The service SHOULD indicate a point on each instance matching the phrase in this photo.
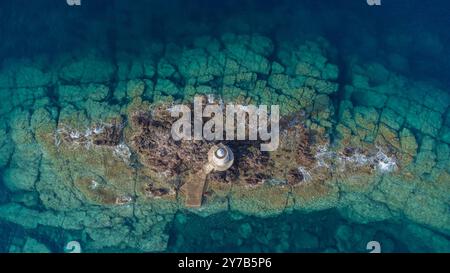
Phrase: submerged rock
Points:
(87, 146)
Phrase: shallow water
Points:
(407, 38)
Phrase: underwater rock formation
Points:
(88, 141)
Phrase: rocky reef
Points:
(85, 142)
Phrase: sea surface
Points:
(410, 38)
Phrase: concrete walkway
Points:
(195, 186)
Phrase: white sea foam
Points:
(93, 185)
(86, 139)
(327, 159)
(98, 130)
(75, 135)
(305, 173)
(385, 163)
(122, 151)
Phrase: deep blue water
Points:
(53, 27)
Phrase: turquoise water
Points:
(73, 65)
(323, 231)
